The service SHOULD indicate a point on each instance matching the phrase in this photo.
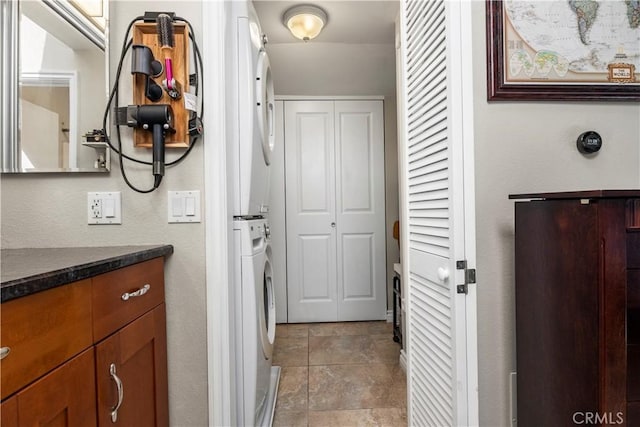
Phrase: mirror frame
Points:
(10, 152)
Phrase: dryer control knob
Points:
(267, 231)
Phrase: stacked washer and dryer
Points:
(251, 141)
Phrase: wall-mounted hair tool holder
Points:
(160, 68)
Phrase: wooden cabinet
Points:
(9, 412)
(123, 295)
(577, 259)
(78, 351)
(63, 397)
(42, 331)
(136, 355)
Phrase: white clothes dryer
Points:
(255, 318)
(251, 111)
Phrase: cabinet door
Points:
(557, 263)
(131, 371)
(9, 413)
(64, 397)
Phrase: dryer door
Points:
(265, 104)
(267, 308)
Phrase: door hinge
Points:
(469, 276)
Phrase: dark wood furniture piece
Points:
(92, 352)
(577, 260)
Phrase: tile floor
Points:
(338, 375)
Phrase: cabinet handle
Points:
(114, 377)
(143, 290)
(4, 352)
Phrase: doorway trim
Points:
(220, 335)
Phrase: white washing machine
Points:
(255, 316)
(250, 130)
(251, 111)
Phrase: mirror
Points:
(55, 85)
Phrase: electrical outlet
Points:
(104, 208)
(95, 208)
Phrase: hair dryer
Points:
(158, 119)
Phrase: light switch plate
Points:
(183, 206)
(104, 207)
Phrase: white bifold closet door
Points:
(334, 161)
(440, 219)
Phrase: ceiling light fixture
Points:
(305, 21)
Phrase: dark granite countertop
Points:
(30, 270)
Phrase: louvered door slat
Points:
(433, 367)
(432, 41)
(426, 19)
(433, 163)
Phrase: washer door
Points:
(267, 308)
(266, 105)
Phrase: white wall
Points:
(49, 210)
(530, 147)
(40, 148)
(323, 69)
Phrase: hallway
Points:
(339, 374)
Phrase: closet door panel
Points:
(360, 210)
(310, 211)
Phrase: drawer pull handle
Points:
(143, 290)
(114, 377)
(4, 352)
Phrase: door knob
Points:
(333, 225)
(443, 274)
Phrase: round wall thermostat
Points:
(589, 142)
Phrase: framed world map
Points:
(563, 50)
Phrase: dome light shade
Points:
(305, 22)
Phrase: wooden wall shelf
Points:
(146, 33)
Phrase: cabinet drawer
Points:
(42, 331)
(123, 295)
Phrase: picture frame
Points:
(622, 84)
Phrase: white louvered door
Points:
(438, 180)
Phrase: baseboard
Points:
(389, 316)
(403, 361)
